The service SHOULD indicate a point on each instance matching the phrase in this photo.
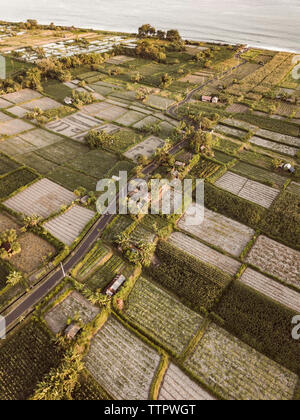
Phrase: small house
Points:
(114, 286)
(214, 99)
(206, 98)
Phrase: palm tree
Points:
(14, 278)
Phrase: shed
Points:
(72, 330)
(114, 286)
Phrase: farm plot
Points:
(34, 252)
(119, 59)
(204, 253)
(74, 125)
(279, 138)
(259, 174)
(145, 148)
(99, 254)
(205, 169)
(146, 122)
(73, 306)
(294, 188)
(111, 112)
(7, 222)
(141, 234)
(4, 272)
(69, 225)
(105, 274)
(13, 127)
(272, 289)
(21, 96)
(40, 138)
(42, 198)
(71, 179)
(278, 260)
(95, 163)
(15, 180)
(7, 165)
(16, 147)
(159, 102)
(178, 386)
(276, 147)
(43, 103)
(236, 371)
(240, 124)
(194, 79)
(4, 117)
(26, 357)
(230, 131)
(163, 316)
(237, 109)
(121, 362)
(220, 231)
(63, 151)
(119, 224)
(4, 104)
(245, 188)
(129, 118)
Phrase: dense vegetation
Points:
(193, 281)
(261, 323)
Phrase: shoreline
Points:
(196, 39)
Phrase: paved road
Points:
(24, 305)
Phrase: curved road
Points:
(25, 304)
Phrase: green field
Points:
(16, 180)
(25, 357)
(7, 165)
(259, 174)
(162, 316)
(252, 318)
(102, 277)
(182, 273)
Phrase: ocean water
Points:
(272, 24)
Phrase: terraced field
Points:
(236, 371)
(121, 362)
(162, 316)
(276, 259)
(178, 386)
(245, 188)
(204, 253)
(272, 289)
(73, 306)
(218, 230)
(68, 226)
(42, 198)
